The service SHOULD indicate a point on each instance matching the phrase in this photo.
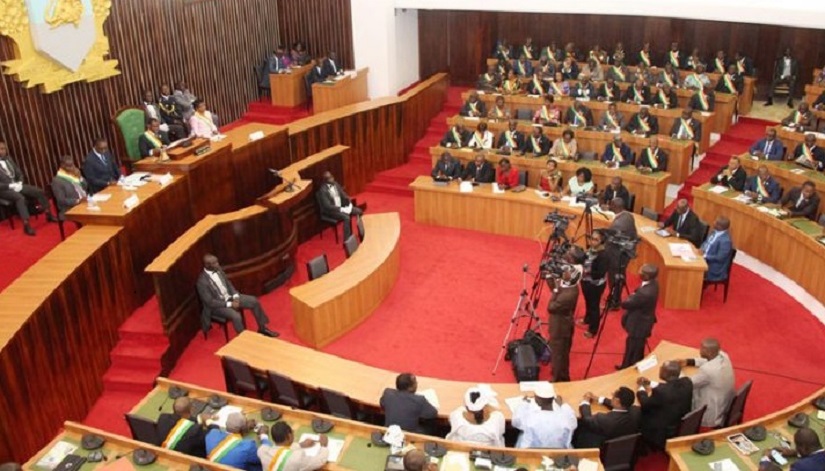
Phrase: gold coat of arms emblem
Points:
(57, 41)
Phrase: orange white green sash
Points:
(177, 433)
(545, 114)
(535, 143)
(807, 153)
(511, 139)
(504, 52)
(609, 92)
(511, 85)
(156, 142)
(488, 77)
(645, 57)
(664, 98)
(556, 89)
(564, 150)
(612, 120)
(537, 86)
(637, 96)
(549, 53)
(479, 139)
(686, 128)
(279, 459)
(617, 154)
(797, 117)
(578, 117)
(653, 157)
(740, 64)
(643, 123)
(674, 58)
(696, 78)
(473, 106)
(456, 136)
(619, 74)
(521, 68)
(720, 66)
(526, 51)
(760, 188)
(498, 112)
(729, 83)
(668, 78)
(703, 101)
(229, 443)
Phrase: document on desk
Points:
(431, 397)
(334, 445)
(680, 249)
(587, 465)
(723, 465)
(742, 198)
(647, 363)
(59, 451)
(718, 189)
(101, 197)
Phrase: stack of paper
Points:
(431, 397)
(334, 446)
(59, 451)
(723, 465)
(678, 249)
(647, 363)
(718, 189)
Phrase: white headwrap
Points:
(486, 396)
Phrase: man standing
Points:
(622, 419)
(562, 308)
(640, 315)
(180, 432)
(336, 204)
(403, 407)
(222, 301)
(717, 249)
(546, 421)
(100, 167)
(230, 447)
(713, 384)
(664, 404)
(786, 70)
(13, 189)
(286, 455)
(684, 224)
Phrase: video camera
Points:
(624, 244)
(560, 221)
(588, 200)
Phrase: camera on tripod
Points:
(588, 200)
(626, 246)
(553, 268)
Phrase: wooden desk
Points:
(650, 189)
(789, 245)
(522, 215)
(356, 454)
(680, 152)
(290, 89)
(58, 321)
(341, 91)
(666, 117)
(788, 174)
(791, 138)
(233, 173)
(682, 458)
(328, 307)
(117, 446)
(724, 107)
(364, 384)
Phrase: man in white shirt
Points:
(221, 301)
(14, 190)
(545, 421)
(286, 455)
(713, 383)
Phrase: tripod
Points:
(587, 219)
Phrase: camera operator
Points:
(594, 282)
(625, 225)
(562, 309)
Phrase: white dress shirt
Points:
(544, 428)
(222, 289)
(335, 196)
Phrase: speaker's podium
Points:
(340, 91)
(289, 89)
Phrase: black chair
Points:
(60, 218)
(7, 212)
(240, 379)
(736, 411)
(339, 405)
(263, 90)
(650, 214)
(619, 454)
(359, 222)
(224, 324)
(326, 222)
(350, 245)
(631, 201)
(522, 177)
(143, 430)
(284, 391)
(523, 114)
(691, 422)
(726, 281)
(704, 229)
(317, 267)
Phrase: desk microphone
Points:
(290, 185)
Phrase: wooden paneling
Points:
(451, 40)
(323, 25)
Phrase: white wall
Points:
(406, 49)
(801, 13)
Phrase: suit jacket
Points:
(776, 152)
(584, 91)
(483, 174)
(738, 84)
(635, 125)
(243, 456)
(696, 103)
(593, 430)
(609, 194)
(672, 99)
(449, 138)
(625, 223)
(807, 209)
(327, 202)
(192, 442)
(518, 137)
(330, 68)
(316, 74)
(713, 386)
(523, 69)
(690, 229)
(817, 153)
(663, 409)
(210, 296)
(603, 92)
(16, 174)
(779, 67)
(814, 462)
(542, 146)
(97, 173)
(772, 187)
(806, 121)
(640, 310)
(618, 118)
(717, 250)
(481, 108)
(747, 65)
(629, 96)
(624, 150)
(644, 160)
(569, 116)
(147, 147)
(735, 182)
(65, 195)
(694, 124)
(451, 169)
(405, 409)
(169, 112)
(562, 308)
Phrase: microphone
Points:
(123, 455)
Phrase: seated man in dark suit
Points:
(331, 66)
(769, 148)
(652, 158)
(615, 190)
(512, 139)
(638, 93)
(578, 115)
(731, 175)
(336, 204)
(222, 301)
(473, 107)
(152, 143)
(684, 224)
(447, 167)
(13, 189)
(537, 144)
(762, 187)
(623, 419)
(403, 407)
(68, 186)
(316, 74)
(617, 153)
(717, 250)
(808, 154)
(664, 405)
(180, 431)
(802, 201)
(808, 450)
(479, 170)
(731, 81)
(801, 120)
(687, 128)
(643, 123)
(171, 115)
(456, 137)
(100, 168)
(703, 100)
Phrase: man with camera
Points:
(640, 315)
(622, 227)
(561, 309)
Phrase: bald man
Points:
(808, 450)
(640, 315)
(717, 250)
(416, 460)
(221, 301)
(180, 432)
(684, 224)
(713, 383)
(663, 405)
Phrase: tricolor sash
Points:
(578, 117)
(653, 157)
(637, 97)
(612, 120)
(619, 73)
(617, 154)
(609, 92)
(527, 53)
(229, 443)
(535, 143)
(156, 142)
(522, 70)
(740, 65)
(487, 77)
(797, 117)
(696, 77)
(729, 83)
(177, 433)
(456, 136)
(537, 86)
(564, 150)
(807, 153)
(473, 107)
(668, 79)
(479, 139)
(673, 56)
(720, 66)
(279, 459)
(504, 53)
(703, 101)
(556, 89)
(498, 112)
(643, 123)
(664, 98)
(645, 57)
(545, 115)
(549, 53)
(760, 188)
(511, 140)
(685, 127)
(76, 182)
(511, 85)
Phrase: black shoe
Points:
(769, 103)
(50, 217)
(28, 230)
(790, 104)
(268, 333)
